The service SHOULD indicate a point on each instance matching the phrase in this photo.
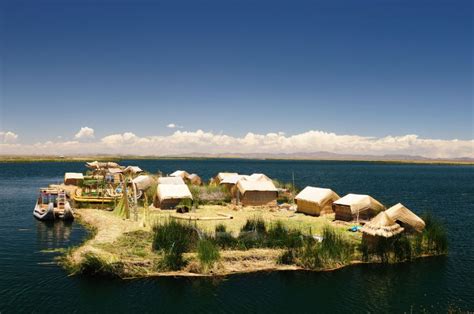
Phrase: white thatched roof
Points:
(180, 173)
(258, 176)
(400, 213)
(143, 182)
(383, 226)
(222, 175)
(245, 185)
(133, 169)
(171, 180)
(358, 202)
(193, 176)
(73, 176)
(316, 195)
(173, 191)
(233, 179)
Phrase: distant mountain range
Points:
(324, 156)
(290, 156)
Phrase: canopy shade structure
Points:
(405, 217)
(315, 201)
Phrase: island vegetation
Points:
(218, 238)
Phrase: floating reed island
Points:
(150, 224)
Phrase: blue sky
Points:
(368, 68)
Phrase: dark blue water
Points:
(31, 282)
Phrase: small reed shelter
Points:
(405, 218)
(229, 182)
(194, 179)
(221, 176)
(143, 182)
(256, 192)
(170, 192)
(180, 173)
(356, 207)
(382, 226)
(73, 178)
(315, 201)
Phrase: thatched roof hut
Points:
(170, 195)
(221, 176)
(356, 206)
(132, 170)
(382, 226)
(194, 179)
(256, 192)
(405, 217)
(315, 201)
(171, 180)
(143, 182)
(180, 173)
(73, 178)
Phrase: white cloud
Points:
(174, 126)
(8, 137)
(184, 142)
(85, 133)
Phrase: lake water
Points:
(31, 282)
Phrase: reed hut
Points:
(256, 192)
(171, 180)
(180, 173)
(168, 196)
(382, 226)
(132, 170)
(229, 182)
(356, 206)
(315, 201)
(143, 182)
(221, 176)
(405, 218)
(73, 178)
(194, 179)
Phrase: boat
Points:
(52, 204)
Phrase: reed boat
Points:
(52, 204)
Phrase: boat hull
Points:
(44, 215)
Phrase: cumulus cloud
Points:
(8, 137)
(185, 142)
(174, 126)
(85, 133)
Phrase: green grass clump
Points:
(208, 254)
(256, 224)
(435, 235)
(173, 239)
(93, 265)
(224, 239)
(279, 236)
(334, 250)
